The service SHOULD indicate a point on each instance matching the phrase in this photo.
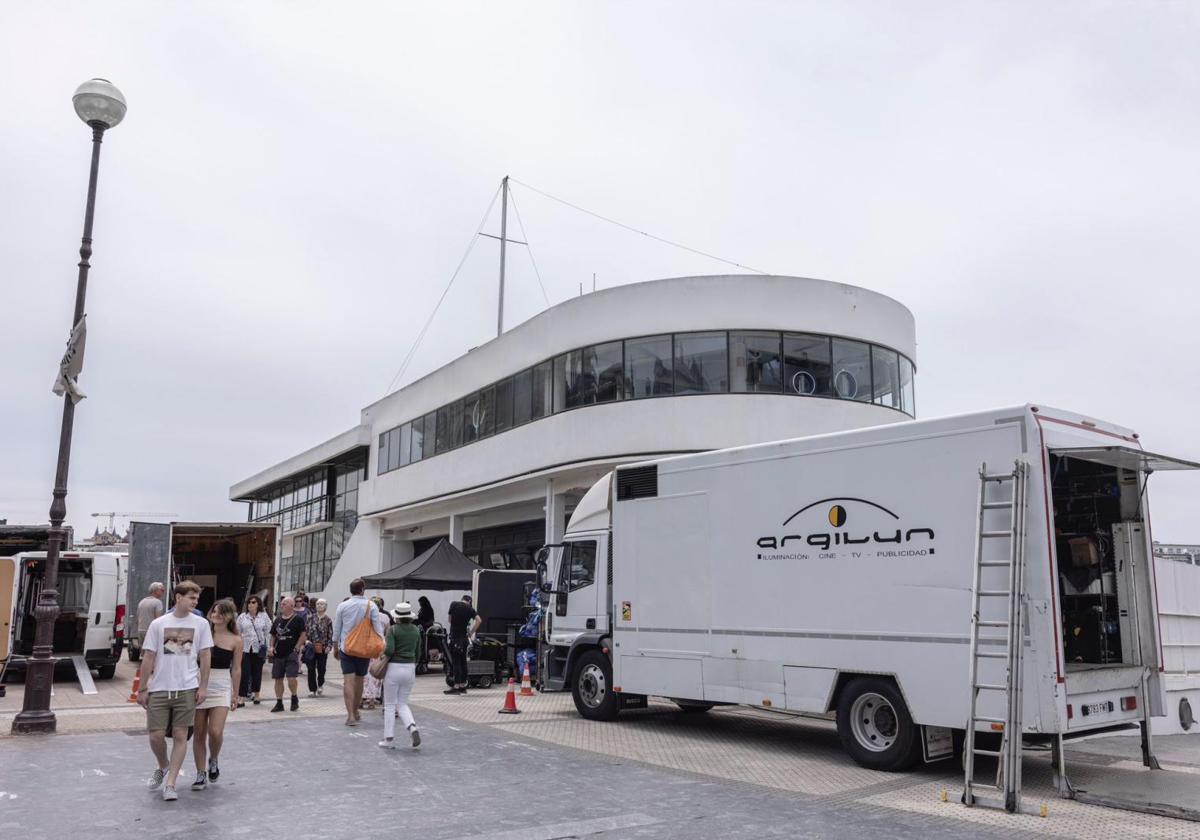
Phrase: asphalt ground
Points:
(467, 780)
(545, 773)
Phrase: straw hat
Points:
(403, 610)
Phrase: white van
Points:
(88, 608)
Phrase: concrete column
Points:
(456, 531)
(556, 510)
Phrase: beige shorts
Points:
(176, 707)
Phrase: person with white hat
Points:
(403, 640)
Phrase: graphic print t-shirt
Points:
(177, 642)
(286, 632)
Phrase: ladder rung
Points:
(995, 563)
(991, 687)
(997, 476)
(992, 623)
(994, 592)
(993, 753)
(997, 505)
(995, 534)
(988, 655)
(986, 719)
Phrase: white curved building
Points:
(495, 448)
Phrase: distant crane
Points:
(113, 514)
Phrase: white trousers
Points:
(397, 685)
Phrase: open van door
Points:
(8, 597)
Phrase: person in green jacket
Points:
(403, 640)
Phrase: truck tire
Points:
(875, 726)
(107, 671)
(591, 687)
(693, 707)
(135, 655)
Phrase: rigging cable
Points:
(529, 247)
(636, 230)
(417, 343)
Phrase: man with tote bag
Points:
(357, 639)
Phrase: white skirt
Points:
(220, 693)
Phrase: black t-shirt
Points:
(287, 632)
(461, 614)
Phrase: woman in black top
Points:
(224, 672)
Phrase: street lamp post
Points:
(100, 105)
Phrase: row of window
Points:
(303, 502)
(659, 366)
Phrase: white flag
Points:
(72, 364)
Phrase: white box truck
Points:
(835, 574)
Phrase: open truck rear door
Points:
(1136, 587)
(149, 559)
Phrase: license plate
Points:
(1098, 708)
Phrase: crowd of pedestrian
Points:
(197, 669)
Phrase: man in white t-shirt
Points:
(175, 661)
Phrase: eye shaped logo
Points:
(837, 516)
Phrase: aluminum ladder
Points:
(987, 650)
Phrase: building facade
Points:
(494, 449)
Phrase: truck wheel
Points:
(591, 687)
(875, 726)
(135, 655)
(106, 672)
(693, 707)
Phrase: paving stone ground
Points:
(653, 773)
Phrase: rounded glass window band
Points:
(649, 367)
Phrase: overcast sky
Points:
(295, 183)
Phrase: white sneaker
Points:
(387, 744)
(155, 781)
(169, 794)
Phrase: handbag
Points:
(378, 667)
(363, 642)
(309, 655)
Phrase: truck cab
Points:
(576, 575)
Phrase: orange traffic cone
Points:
(526, 687)
(510, 699)
(135, 688)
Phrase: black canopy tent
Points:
(441, 568)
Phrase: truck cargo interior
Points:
(74, 596)
(1088, 500)
(226, 560)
